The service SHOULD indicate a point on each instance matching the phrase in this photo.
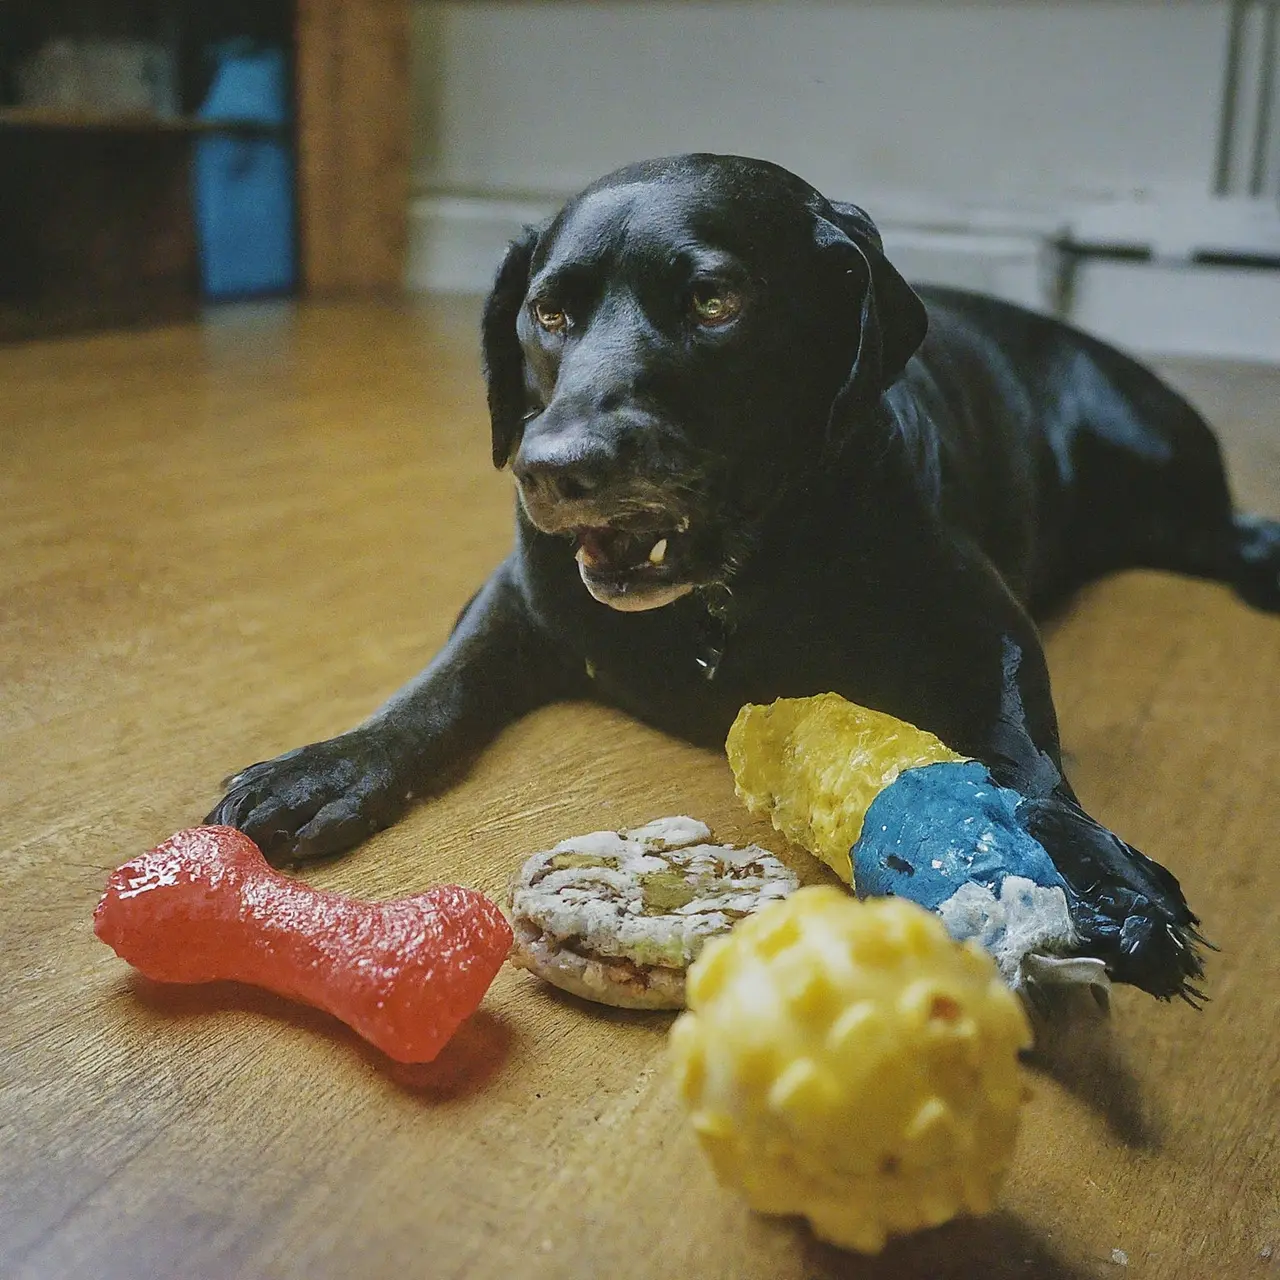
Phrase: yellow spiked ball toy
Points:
(849, 1062)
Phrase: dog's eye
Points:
(550, 318)
(714, 306)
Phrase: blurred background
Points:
(1116, 163)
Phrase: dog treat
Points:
(617, 916)
(849, 1062)
(813, 765)
(204, 906)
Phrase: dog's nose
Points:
(553, 471)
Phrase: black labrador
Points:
(754, 463)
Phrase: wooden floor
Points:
(221, 542)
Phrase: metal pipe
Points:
(1266, 96)
(1230, 92)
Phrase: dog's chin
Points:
(630, 594)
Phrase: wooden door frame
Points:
(352, 73)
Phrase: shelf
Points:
(59, 119)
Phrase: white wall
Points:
(968, 100)
(1001, 124)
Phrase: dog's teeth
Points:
(659, 552)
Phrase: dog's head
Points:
(678, 348)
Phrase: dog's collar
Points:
(716, 628)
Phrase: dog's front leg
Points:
(326, 797)
(1128, 911)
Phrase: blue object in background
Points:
(244, 202)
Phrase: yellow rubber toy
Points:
(814, 765)
(849, 1062)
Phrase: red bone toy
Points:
(205, 906)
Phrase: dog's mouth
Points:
(636, 568)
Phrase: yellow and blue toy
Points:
(893, 811)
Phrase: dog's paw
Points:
(320, 799)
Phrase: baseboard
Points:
(1179, 309)
(456, 242)
(1181, 227)
(1018, 267)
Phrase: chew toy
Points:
(618, 916)
(204, 906)
(814, 765)
(849, 1062)
(1052, 894)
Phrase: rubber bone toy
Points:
(204, 907)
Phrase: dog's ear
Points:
(892, 322)
(503, 359)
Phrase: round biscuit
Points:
(618, 916)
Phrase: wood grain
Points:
(221, 542)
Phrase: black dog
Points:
(746, 472)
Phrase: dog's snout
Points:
(572, 487)
(552, 471)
